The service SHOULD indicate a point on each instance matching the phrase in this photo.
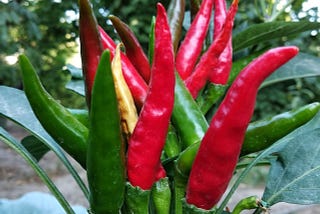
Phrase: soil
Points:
(17, 178)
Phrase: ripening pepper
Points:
(134, 51)
(135, 82)
(91, 46)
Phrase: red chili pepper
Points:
(221, 71)
(191, 46)
(136, 84)
(134, 50)
(149, 135)
(220, 148)
(91, 47)
(210, 59)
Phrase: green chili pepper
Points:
(172, 147)
(161, 196)
(185, 160)
(263, 133)
(106, 155)
(251, 202)
(69, 133)
(137, 200)
(186, 116)
(180, 183)
(211, 94)
(82, 115)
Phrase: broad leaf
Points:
(76, 86)
(14, 144)
(75, 72)
(294, 176)
(258, 33)
(15, 107)
(35, 147)
(301, 66)
(307, 129)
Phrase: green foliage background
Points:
(47, 32)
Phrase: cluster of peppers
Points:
(147, 113)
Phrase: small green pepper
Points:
(210, 95)
(186, 116)
(172, 147)
(249, 203)
(63, 127)
(137, 200)
(161, 196)
(263, 133)
(105, 155)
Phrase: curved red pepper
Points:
(196, 81)
(191, 46)
(149, 135)
(220, 148)
(136, 84)
(221, 71)
(134, 51)
(91, 47)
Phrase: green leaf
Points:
(76, 86)
(15, 107)
(255, 34)
(35, 147)
(310, 127)
(14, 144)
(75, 72)
(301, 66)
(294, 176)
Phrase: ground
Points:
(17, 178)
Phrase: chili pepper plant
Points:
(170, 130)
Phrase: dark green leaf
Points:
(294, 176)
(303, 65)
(258, 33)
(35, 147)
(312, 126)
(15, 107)
(75, 72)
(76, 86)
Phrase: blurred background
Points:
(47, 31)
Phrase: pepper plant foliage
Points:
(170, 141)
